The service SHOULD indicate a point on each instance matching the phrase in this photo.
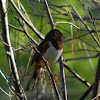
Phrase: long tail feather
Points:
(32, 81)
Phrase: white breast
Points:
(52, 54)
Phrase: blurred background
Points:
(79, 22)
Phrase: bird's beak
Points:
(63, 37)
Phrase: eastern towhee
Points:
(51, 49)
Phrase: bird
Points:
(51, 49)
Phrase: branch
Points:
(86, 93)
(79, 37)
(50, 73)
(88, 28)
(16, 28)
(9, 85)
(91, 18)
(79, 58)
(52, 27)
(26, 21)
(77, 76)
(5, 92)
(90, 61)
(67, 23)
(96, 86)
(26, 33)
(6, 38)
(49, 14)
(62, 74)
(27, 66)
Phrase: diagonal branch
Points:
(50, 73)
(86, 93)
(77, 76)
(26, 21)
(49, 14)
(88, 28)
(10, 55)
(26, 33)
(96, 86)
(53, 81)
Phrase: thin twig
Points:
(26, 33)
(77, 76)
(79, 38)
(26, 21)
(79, 58)
(19, 29)
(52, 27)
(9, 85)
(90, 61)
(5, 92)
(50, 73)
(88, 28)
(91, 18)
(86, 93)
(62, 75)
(80, 50)
(96, 86)
(67, 23)
(27, 66)
(10, 55)
(49, 14)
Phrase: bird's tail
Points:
(32, 81)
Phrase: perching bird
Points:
(51, 49)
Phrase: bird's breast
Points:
(52, 54)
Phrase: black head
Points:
(54, 34)
(55, 37)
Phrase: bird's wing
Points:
(41, 48)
